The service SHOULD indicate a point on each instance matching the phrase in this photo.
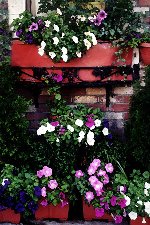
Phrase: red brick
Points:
(43, 108)
(120, 99)
(144, 3)
(119, 107)
(73, 91)
(44, 99)
(126, 116)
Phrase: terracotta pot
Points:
(138, 221)
(145, 53)
(9, 216)
(52, 212)
(26, 55)
(89, 214)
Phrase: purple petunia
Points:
(20, 207)
(118, 219)
(37, 191)
(18, 32)
(99, 212)
(113, 200)
(32, 206)
(58, 78)
(33, 26)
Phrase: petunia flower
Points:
(79, 174)
(52, 184)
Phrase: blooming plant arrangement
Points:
(58, 38)
(139, 194)
(99, 188)
(23, 191)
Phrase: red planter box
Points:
(26, 55)
(138, 221)
(145, 53)
(89, 214)
(52, 212)
(9, 216)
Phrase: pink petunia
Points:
(43, 191)
(55, 123)
(79, 174)
(40, 173)
(52, 184)
(58, 78)
(90, 122)
(106, 179)
(92, 180)
(113, 200)
(47, 172)
(122, 203)
(89, 196)
(101, 173)
(118, 219)
(98, 186)
(91, 170)
(109, 168)
(96, 163)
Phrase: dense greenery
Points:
(138, 128)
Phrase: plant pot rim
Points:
(145, 44)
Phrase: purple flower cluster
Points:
(99, 18)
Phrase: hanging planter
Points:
(9, 215)
(140, 221)
(100, 55)
(89, 214)
(52, 212)
(145, 53)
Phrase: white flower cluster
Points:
(134, 215)
(84, 133)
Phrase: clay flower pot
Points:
(89, 214)
(52, 212)
(145, 53)
(139, 220)
(102, 54)
(9, 216)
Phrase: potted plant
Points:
(101, 192)
(138, 192)
(73, 43)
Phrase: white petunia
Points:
(59, 12)
(79, 54)
(82, 18)
(90, 135)
(90, 142)
(64, 50)
(143, 220)
(62, 35)
(79, 139)
(57, 140)
(94, 40)
(52, 55)
(97, 122)
(147, 207)
(81, 134)
(56, 27)
(146, 192)
(3, 182)
(147, 185)
(91, 128)
(128, 200)
(42, 130)
(139, 202)
(56, 40)
(87, 44)
(41, 51)
(47, 23)
(50, 128)
(133, 215)
(64, 57)
(79, 122)
(43, 44)
(70, 128)
(105, 131)
(75, 39)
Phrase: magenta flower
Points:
(52, 184)
(99, 212)
(47, 172)
(79, 174)
(89, 196)
(34, 26)
(55, 123)
(102, 14)
(58, 78)
(91, 170)
(62, 130)
(44, 202)
(101, 173)
(90, 123)
(43, 191)
(122, 203)
(118, 219)
(40, 173)
(64, 202)
(109, 168)
(113, 200)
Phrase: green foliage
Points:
(13, 123)
(138, 132)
